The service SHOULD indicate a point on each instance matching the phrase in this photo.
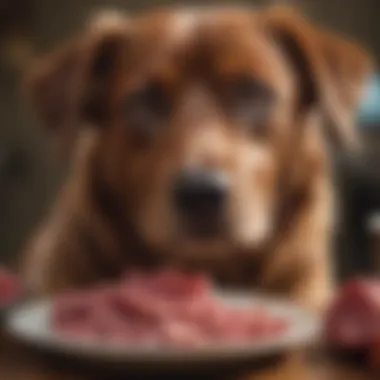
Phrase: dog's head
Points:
(196, 113)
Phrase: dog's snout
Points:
(200, 192)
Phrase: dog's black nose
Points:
(200, 193)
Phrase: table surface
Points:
(21, 363)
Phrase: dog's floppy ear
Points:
(331, 70)
(69, 86)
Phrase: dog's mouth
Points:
(207, 228)
(201, 248)
(202, 239)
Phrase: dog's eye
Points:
(245, 88)
(248, 89)
(147, 107)
(250, 101)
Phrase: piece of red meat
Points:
(180, 333)
(73, 311)
(242, 324)
(354, 316)
(10, 288)
(170, 283)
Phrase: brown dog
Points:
(203, 143)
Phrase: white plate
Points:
(30, 323)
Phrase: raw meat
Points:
(353, 319)
(10, 288)
(166, 308)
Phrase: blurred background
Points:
(30, 173)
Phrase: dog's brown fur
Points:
(113, 211)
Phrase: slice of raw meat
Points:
(10, 288)
(170, 283)
(354, 316)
